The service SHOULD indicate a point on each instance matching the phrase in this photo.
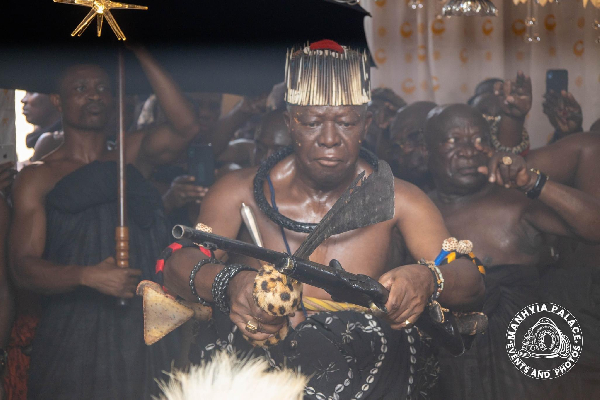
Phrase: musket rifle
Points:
(375, 194)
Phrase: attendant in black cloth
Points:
(484, 199)
(347, 354)
(62, 241)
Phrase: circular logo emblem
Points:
(544, 341)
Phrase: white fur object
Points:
(227, 377)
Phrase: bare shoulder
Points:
(37, 179)
(236, 181)
(588, 142)
(233, 187)
(410, 199)
(221, 206)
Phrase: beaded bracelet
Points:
(438, 278)
(518, 149)
(221, 282)
(197, 267)
(453, 249)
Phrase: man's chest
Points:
(497, 229)
(366, 250)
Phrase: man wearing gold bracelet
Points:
(347, 354)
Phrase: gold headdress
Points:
(327, 74)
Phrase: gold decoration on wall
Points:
(578, 48)
(438, 26)
(487, 27)
(422, 53)
(550, 22)
(380, 56)
(519, 27)
(101, 10)
(408, 86)
(406, 30)
(435, 83)
(595, 3)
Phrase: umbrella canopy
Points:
(231, 46)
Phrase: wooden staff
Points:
(122, 232)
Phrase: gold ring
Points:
(252, 326)
(408, 323)
(506, 160)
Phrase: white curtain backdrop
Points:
(422, 57)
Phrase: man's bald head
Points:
(443, 118)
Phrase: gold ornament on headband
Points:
(327, 74)
(100, 9)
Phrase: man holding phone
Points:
(563, 111)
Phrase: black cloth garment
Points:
(32, 138)
(485, 371)
(347, 354)
(87, 347)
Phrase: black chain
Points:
(221, 282)
(197, 267)
(262, 203)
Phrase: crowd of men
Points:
(461, 170)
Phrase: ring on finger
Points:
(506, 160)
(408, 324)
(252, 326)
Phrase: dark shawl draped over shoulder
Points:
(87, 347)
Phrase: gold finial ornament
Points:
(100, 9)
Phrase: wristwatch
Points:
(535, 191)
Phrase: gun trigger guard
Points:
(335, 264)
(210, 246)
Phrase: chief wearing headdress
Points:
(346, 353)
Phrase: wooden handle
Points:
(122, 241)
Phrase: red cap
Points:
(327, 44)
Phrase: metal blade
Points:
(361, 205)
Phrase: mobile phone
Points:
(201, 164)
(557, 80)
(8, 153)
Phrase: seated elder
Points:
(507, 212)
(346, 354)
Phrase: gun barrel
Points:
(214, 242)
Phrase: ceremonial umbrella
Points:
(230, 46)
(212, 46)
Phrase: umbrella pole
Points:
(122, 232)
